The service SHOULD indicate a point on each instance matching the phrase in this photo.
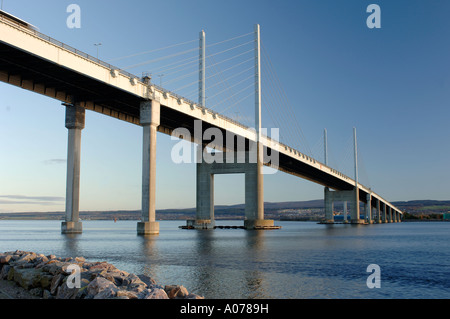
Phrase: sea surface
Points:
(300, 260)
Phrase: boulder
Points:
(82, 292)
(46, 280)
(132, 279)
(153, 293)
(176, 291)
(56, 281)
(64, 292)
(119, 277)
(102, 266)
(107, 293)
(28, 278)
(99, 284)
(55, 267)
(147, 280)
(4, 258)
(10, 274)
(4, 272)
(26, 258)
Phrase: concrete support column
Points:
(390, 214)
(369, 209)
(149, 119)
(378, 212)
(329, 206)
(204, 218)
(355, 216)
(75, 119)
(385, 213)
(345, 212)
(254, 193)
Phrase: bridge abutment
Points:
(75, 121)
(149, 120)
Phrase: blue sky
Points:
(392, 84)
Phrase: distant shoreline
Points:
(312, 210)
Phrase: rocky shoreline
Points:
(50, 277)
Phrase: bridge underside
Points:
(34, 73)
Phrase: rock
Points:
(134, 283)
(132, 279)
(80, 259)
(107, 275)
(127, 293)
(147, 280)
(4, 272)
(55, 267)
(10, 274)
(154, 293)
(27, 278)
(99, 284)
(26, 258)
(119, 277)
(56, 281)
(64, 292)
(82, 292)
(46, 281)
(107, 293)
(175, 291)
(4, 259)
(102, 266)
(45, 277)
(41, 259)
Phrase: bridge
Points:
(38, 63)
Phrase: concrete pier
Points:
(75, 119)
(150, 120)
(341, 196)
(204, 218)
(254, 197)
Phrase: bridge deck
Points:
(36, 62)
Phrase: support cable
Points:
(151, 51)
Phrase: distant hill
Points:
(307, 210)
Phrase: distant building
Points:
(446, 216)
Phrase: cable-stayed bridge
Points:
(38, 63)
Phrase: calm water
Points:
(301, 260)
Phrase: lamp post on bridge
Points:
(97, 45)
